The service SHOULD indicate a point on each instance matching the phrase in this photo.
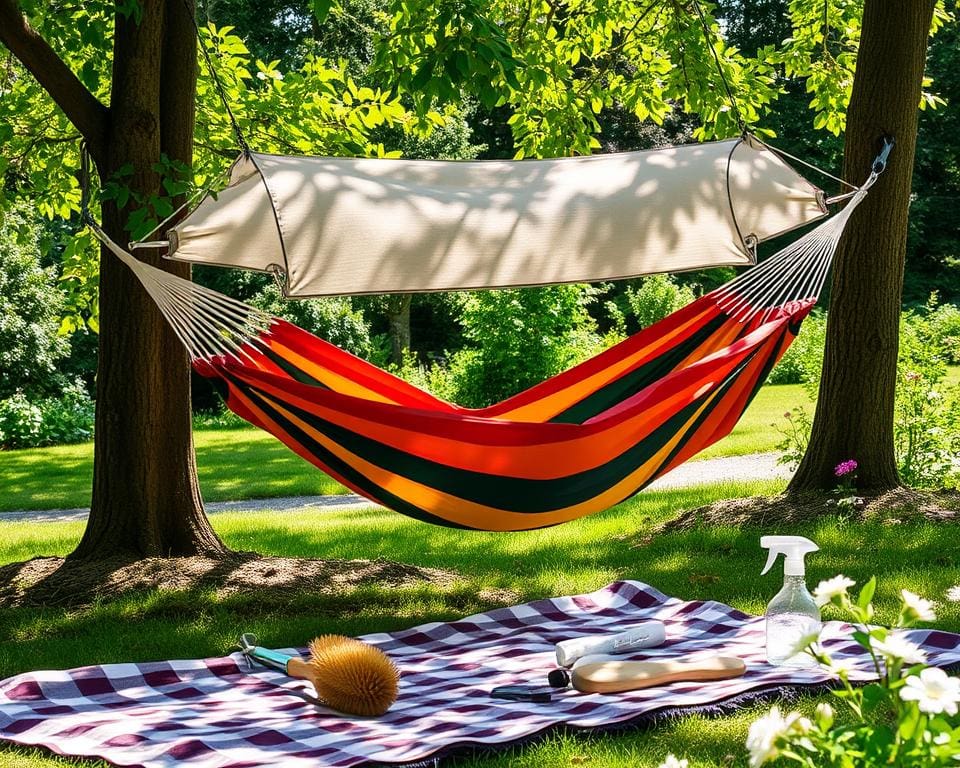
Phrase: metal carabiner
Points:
(880, 164)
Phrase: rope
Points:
(716, 58)
(808, 164)
(797, 272)
(221, 92)
(209, 324)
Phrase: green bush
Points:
(926, 427)
(656, 297)
(802, 362)
(646, 301)
(945, 327)
(333, 319)
(67, 418)
(517, 339)
(20, 422)
(30, 309)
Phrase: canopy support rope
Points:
(707, 37)
(800, 269)
(214, 75)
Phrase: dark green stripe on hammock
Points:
(511, 494)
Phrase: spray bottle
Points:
(792, 614)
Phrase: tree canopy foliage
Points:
(381, 77)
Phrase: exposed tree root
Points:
(899, 505)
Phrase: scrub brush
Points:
(348, 675)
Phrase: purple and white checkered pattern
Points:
(220, 712)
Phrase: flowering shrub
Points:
(908, 718)
(926, 425)
(847, 499)
(926, 429)
(796, 436)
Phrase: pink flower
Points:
(845, 467)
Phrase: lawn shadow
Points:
(54, 582)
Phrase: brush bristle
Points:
(352, 676)
(322, 644)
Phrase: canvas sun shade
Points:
(336, 226)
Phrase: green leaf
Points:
(866, 593)
(909, 720)
(321, 9)
(422, 77)
(874, 695)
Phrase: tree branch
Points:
(81, 107)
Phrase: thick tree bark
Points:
(146, 499)
(854, 416)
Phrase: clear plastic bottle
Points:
(793, 613)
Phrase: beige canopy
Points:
(359, 225)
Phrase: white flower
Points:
(953, 594)
(805, 641)
(764, 733)
(673, 762)
(933, 690)
(897, 648)
(824, 715)
(842, 667)
(831, 588)
(920, 608)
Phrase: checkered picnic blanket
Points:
(221, 712)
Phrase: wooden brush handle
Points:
(617, 676)
(300, 668)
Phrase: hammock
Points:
(575, 444)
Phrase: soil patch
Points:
(897, 506)
(54, 581)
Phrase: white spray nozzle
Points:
(793, 548)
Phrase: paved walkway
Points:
(756, 466)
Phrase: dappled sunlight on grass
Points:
(24, 540)
(755, 432)
(707, 564)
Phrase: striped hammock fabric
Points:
(575, 444)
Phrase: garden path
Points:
(756, 466)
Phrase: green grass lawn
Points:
(719, 563)
(240, 463)
(247, 463)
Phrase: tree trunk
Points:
(854, 416)
(398, 315)
(146, 499)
